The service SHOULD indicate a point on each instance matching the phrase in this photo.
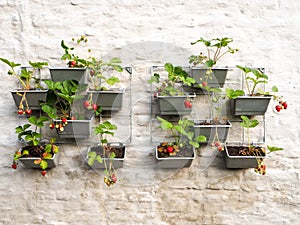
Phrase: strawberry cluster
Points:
(281, 105)
(188, 104)
(61, 124)
(261, 168)
(218, 145)
(23, 112)
(110, 180)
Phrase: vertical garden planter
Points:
(75, 129)
(33, 97)
(175, 162)
(117, 162)
(209, 130)
(111, 100)
(250, 105)
(240, 162)
(62, 74)
(218, 76)
(28, 162)
(174, 105)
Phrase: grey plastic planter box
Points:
(34, 97)
(111, 100)
(174, 162)
(218, 77)
(174, 105)
(62, 74)
(76, 129)
(251, 105)
(29, 162)
(240, 162)
(116, 162)
(209, 131)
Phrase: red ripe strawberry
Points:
(187, 104)
(220, 148)
(204, 83)
(21, 112)
(73, 118)
(92, 72)
(94, 106)
(170, 149)
(86, 104)
(64, 120)
(278, 108)
(28, 111)
(284, 104)
(114, 178)
(72, 63)
(44, 172)
(217, 144)
(51, 125)
(14, 166)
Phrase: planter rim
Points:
(175, 157)
(79, 121)
(31, 90)
(240, 157)
(260, 96)
(67, 68)
(188, 94)
(204, 68)
(196, 124)
(112, 91)
(98, 145)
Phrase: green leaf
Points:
(194, 144)
(38, 65)
(43, 164)
(201, 138)
(115, 60)
(274, 89)
(99, 159)
(164, 124)
(112, 80)
(245, 69)
(274, 148)
(9, 63)
(248, 123)
(233, 94)
(168, 67)
(154, 78)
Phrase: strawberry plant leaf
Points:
(43, 164)
(274, 148)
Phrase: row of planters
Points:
(68, 102)
(65, 94)
(175, 94)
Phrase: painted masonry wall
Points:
(146, 33)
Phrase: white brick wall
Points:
(145, 33)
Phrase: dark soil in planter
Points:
(244, 151)
(34, 151)
(119, 151)
(211, 122)
(185, 151)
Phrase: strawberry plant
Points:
(28, 77)
(60, 98)
(33, 146)
(103, 130)
(182, 135)
(216, 49)
(173, 85)
(253, 78)
(256, 151)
